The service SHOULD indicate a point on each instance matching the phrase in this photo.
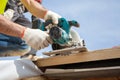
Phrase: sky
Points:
(99, 20)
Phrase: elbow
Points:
(2, 19)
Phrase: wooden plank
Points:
(111, 53)
(83, 73)
(35, 78)
(103, 78)
(93, 78)
(79, 74)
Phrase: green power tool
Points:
(59, 33)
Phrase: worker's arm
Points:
(36, 38)
(35, 8)
(10, 28)
(39, 11)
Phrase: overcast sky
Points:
(99, 20)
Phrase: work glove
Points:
(52, 15)
(36, 38)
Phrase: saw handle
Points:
(47, 22)
(74, 23)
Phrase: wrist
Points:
(45, 14)
(23, 32)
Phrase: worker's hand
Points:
(36, 38)
(52, 15)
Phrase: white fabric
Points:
(52, 15)
(9, 14)
(17, 69)
(36, 38)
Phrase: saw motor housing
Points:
(60, 33)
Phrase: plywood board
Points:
(104, 54)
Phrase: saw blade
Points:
(66, 51)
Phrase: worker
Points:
(15, 34)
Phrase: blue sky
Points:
(99, 20)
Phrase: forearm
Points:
(9, 28)
(35, 8)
